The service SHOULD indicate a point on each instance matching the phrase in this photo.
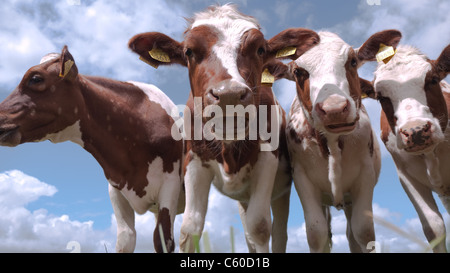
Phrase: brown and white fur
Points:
(414, 128)
(126, 126)
(225, 52)
(335, 156)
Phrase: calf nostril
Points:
(427, 127)
(245, 95)
(346, 107)
(320, 110)
(211, 92)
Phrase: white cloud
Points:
(22, 230)
(18, 189)
(423, 24)
(97, 34)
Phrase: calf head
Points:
(224, 52)
(328, 84)
(43, 103)
(409, 90)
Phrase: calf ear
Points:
(443, 63)
(292, 43)
(157, 49)
(367, 89)
(371, 47)
(68, 70)
(279, 70)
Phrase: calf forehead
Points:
(402, 79)
(328, 57)
(228, 35)
(407, 70)
(326, 65)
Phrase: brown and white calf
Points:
(126, 126)
(225, 52)
(415, 103)
(334, 152)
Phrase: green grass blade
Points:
(206, 243)
(232, 239)
(196, 241)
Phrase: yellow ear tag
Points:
(385, 53)
(147, 62)
(67, 66)
(364, 96)
(287, 51)
(267, 78)
(159, 55)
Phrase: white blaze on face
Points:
(325, 64)
(231, 26)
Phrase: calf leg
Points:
(361, 222)
(317, 229)
(258, 224)
(258, 218)
(280, 211)
(353, 244)
(168, 202)
(243, 214)
(425, 205)
(197, 181)
(126, 234)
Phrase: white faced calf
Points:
(225, 52)
(126, 126)
(415, 102)
(334, 152)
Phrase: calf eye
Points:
(261, 51)
(188, 52)
(35, 80)
(354, 62)
(435, 80)
(301, 73)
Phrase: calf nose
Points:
(333, 108)
(229, 93)
(416, 135)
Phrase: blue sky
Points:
(63, 193)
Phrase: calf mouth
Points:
(341, 127)
(7, 136)
(420, 149)
(239, 131)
